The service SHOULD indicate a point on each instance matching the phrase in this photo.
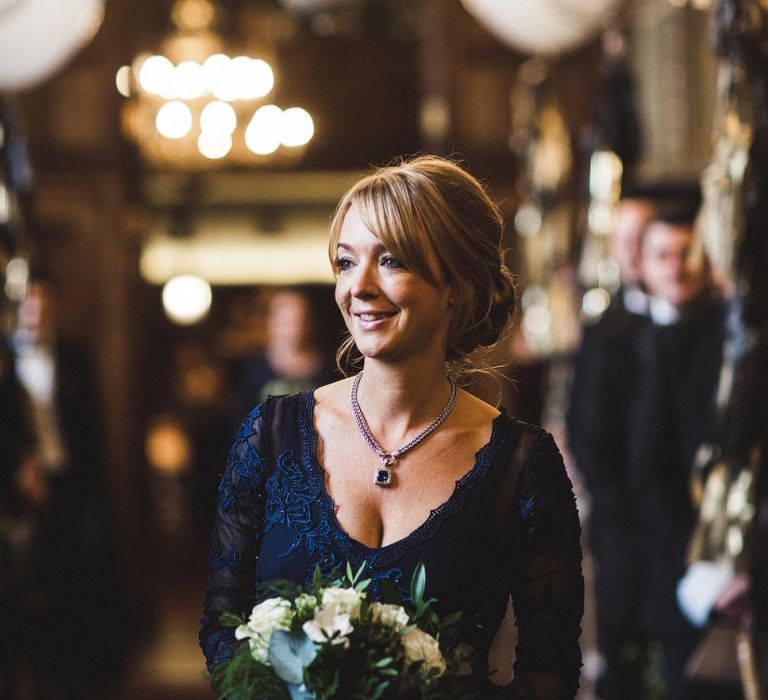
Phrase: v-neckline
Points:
(436, 515)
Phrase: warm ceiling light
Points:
(208, 99)
(188, 83)
(219, 117)
(214, 145)
(263, 134)
(187, 299)
(156, 75)
(174, 120)
(297, 127)
(253, 77)
(123, 81)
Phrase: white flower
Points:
(268, 616)
(420, 646)
(328, 624)
(387, 614)
(305, 604)
(343, 600)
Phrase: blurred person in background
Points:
(75, 576)
(650, 388)
(23, 494)
(597, 439)
(292, 359)
(679, 356)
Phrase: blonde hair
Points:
(428, 204)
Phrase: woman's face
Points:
(391, 312)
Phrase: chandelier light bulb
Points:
(156, 75)
(253, 77)
(215, 72)
(213, 144)
(123, 81)
(187, 299)
(174, 120)
(297, 127)
(263, 133)
(188, 83)
(221, 77)
(219, 117)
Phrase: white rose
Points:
(420, 646)
(268, 616)
(343, 600)
(387, 614)
(328, 624)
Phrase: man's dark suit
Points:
(640, 406)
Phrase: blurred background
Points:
(167, 173)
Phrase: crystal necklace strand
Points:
(383, 475)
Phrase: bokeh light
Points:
(174, 120)
(187, 299)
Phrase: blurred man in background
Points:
(644, 408)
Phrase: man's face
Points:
(631, 218)
(669, 269)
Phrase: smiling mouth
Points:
(375, 316)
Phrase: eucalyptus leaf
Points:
(290, 653)
(418, 583)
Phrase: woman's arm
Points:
(236, 538)
(548, 588)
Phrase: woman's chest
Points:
(458, 540)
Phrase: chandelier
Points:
(194, 104)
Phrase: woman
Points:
(396, 465)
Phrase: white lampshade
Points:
(542, 26)
(37, 37)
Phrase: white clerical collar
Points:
(662, 312)
(636, 301)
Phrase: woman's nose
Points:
(365, 281)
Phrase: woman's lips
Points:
(370, 320)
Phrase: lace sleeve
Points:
(548, 588)
(236, 539)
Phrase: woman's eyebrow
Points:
(380, 247)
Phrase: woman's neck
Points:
(396, 400)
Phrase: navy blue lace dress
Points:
(504, 531)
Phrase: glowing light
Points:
(123, 81)
(187, 299)
(252, 76)
(16, 278)
(156, 75)
(174, 120)
(297, 127)
(595, 302)
(219, 117)
(263, 134)
(528, 220)
(188, 82)
(537, 322)
(193, 14)
(219, 77)
(214, 145)
(608, 275)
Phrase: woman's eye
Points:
(342, 264)
(389, 261)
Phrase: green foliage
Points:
(242, 679)
(369, 664)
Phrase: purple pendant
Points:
(382, 476)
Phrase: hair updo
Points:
(428, 204)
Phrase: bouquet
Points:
(326, 640)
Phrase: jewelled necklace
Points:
(382, 476)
